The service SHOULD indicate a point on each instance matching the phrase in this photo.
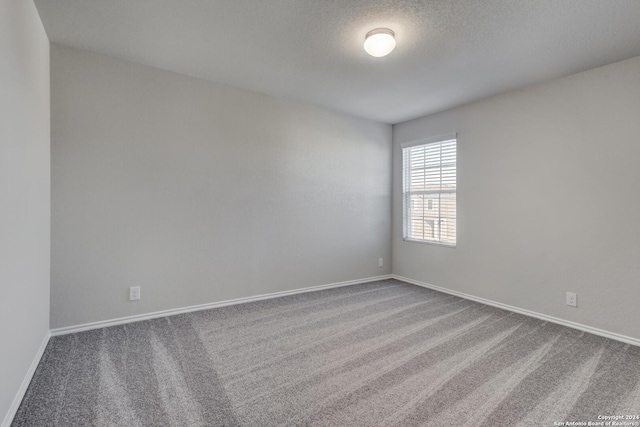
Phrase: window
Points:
(429, 191)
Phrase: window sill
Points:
(427, 242)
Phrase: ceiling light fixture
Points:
(379, 42)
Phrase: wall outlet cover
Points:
(134, 293)
(572, 299)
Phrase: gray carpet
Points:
(377, 354)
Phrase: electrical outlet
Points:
(380, 262)
(572, 299)
(134, 293)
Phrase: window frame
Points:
(406, 195)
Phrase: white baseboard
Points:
(174, 311)
(136, 318)
(8, 419)
(563, 322)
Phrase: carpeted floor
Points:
(377, 354)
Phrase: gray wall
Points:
(199, 192)
(548, 199)
(24, 193)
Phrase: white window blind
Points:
(429, 191)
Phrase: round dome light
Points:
(379, 42)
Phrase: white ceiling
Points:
(449, 51)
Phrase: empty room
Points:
(319, 213)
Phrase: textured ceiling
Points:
(449, 51)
